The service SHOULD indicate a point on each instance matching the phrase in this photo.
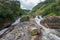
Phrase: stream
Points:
(16, 22)
(47, 34)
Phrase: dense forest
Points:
(10, 10)
(47, 8)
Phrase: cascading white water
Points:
(38, 20)
(47, 34)
(16, 22)
(2, 31)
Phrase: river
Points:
(16, 22)
(47, 33)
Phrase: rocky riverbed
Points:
(20, 31)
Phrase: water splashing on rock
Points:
(47, 34)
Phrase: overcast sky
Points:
(29, 4)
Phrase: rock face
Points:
(51, 22)
(4, 25)
(20, 32)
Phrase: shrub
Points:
(9, 10)
(31, 32)
(24, 18)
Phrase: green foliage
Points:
(24, 18)
(48, 7)
(10, 10)
(26, 11)
(31, 32)
(51, 14)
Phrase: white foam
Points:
(46, 32)
(16, 22)
(2, 31)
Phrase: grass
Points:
(31, 32)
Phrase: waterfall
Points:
(16, 22)
(46, 32)
(38, 20)
(2, 31)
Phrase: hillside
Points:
(9, 12)
(24, 11)
(47, 8)
(23, 24)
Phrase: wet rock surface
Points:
(4, 25)
(20, 32)
(51, 22)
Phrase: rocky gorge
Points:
(21, 30)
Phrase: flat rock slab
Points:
(20, 32)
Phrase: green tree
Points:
(47, 7)
(9, 10)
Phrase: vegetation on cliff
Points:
(47, 8)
